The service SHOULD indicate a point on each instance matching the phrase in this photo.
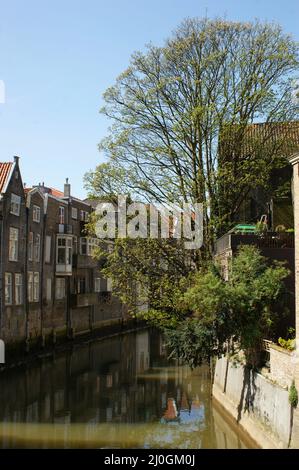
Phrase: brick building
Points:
(50, 284)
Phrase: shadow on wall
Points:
(248, 393)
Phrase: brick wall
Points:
(282, 365)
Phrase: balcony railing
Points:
(231, 241)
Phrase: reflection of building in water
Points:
(171, 413)
(95, 382)
(118, 381)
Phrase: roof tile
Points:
(5, 171)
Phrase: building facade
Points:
(50, 284)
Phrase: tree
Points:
(237, 313)
(151, 273)
(183, 114)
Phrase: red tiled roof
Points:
(5, 169)
(56, 192)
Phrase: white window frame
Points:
(19, 298)
(13, 244)
(84, 216)
(61, 215)
(60, 288)
(36, 214)
(15, 204)
(74, 213)
(82, 280)
(30, 246)
(88, 245)
(97, 284)
(30, 286)
(8, 289)
(37, 247)
(35, 286)
(109, 284)
(75, 245)
(64, 243)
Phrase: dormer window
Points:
(15, 204)
(36, 214)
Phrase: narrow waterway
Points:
(120, 392)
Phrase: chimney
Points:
(67, 188)
(16, 159)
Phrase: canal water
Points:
(120, 392)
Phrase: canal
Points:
(119, 392)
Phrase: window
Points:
(30, 286)
(74, 213)
(37, 247)
(13, 244)
(35, 287)
(81, 285)
(60, 288)
(109, 284)
(49, 289)
(15, 204)
(36, 214)
(75, 245)
(30, 246)
(8, 289)
(83, 216)
(64, 250)
(83, 246)
(48, 249)
(88, 245)
(18, 289)
(97, 284)
(61, 214)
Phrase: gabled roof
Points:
(5, 174)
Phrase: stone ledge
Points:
(280, 349)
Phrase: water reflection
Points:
(119, 392)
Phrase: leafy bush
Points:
(293, 395)
(242, 310)
(288, 344)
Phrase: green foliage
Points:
(242, 310)
(293, 395)
(288, 344)
(181, 113)
(148, 271)
(193, 342)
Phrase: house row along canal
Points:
(119, 392)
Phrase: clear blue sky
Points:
(57, 57)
